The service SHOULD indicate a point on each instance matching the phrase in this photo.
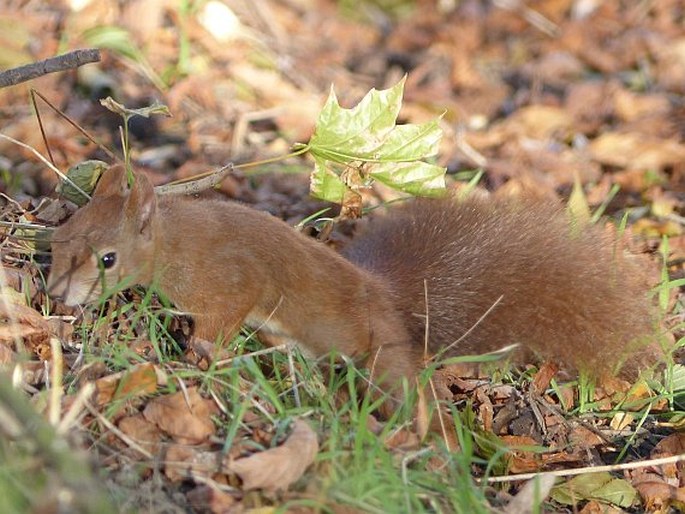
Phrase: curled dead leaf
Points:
(211, 499)
(403, 439)
(6, 355)
(636, 151)
(630, 106)
(186, 418)
(658, 496)
(277, 468)
(531, 494)
(582, 437)
(539, 121)
(544, 377)
(19, 322)
(182, 462)
(139, 380)
(671, 445)
(143, 432)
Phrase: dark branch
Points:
(37, 69)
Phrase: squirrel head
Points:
(108, 243)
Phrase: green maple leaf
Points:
(367, 139)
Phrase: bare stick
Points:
(453, 344)
(673, 459)
(73, 124)
(195, 186)
(38, 69)
(46, 162)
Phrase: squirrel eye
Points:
(108, 260)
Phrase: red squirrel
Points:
(482, 273)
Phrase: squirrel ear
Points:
(142, 203)
(112, 182)
(139, 200)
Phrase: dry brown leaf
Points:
(639, 397)
(632, 180)
(277, 468)
(485, 408)
(143, 19)
(581, 437)
(671, 445)
(34, 372)
(539, 122)
(186, 420)
(656, 229)
(60, 329)
(630, 106)
(19, 322)
(532, 494)
(521, 461)
(182, 462)
(143, 432)
(565, 459)
(19, 280)
(544, 377)
(659, 496)
(527, 186)
(670, 67)
(557, 165)
(402, 439)
(503, 392)
(557, 68)
(203, 353)
(6, 355)
(211, 499)
(621, 420)
(138, 380)
(373, 425)
(610, 386)
(589, 104)
(567, 396)
(636, 151)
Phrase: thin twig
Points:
(47, 163)
(62, 62)
(40, 125)
(266, 351)
(465, 335)
(426, 333)
(441, 417)
(591, 469)
(71, 122)
(56, 391)
(118, 433)
(293, 377)
(196, 186)
(469, 151)
(76, 409)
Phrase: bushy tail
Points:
(495, 272)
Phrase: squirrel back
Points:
(487, 273)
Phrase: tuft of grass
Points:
(357, 467)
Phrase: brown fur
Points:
(563, 296)
(226, 264)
